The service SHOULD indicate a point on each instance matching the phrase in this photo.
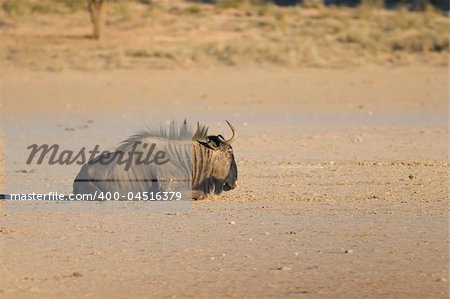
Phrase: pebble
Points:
(350, 251)
(231, 222)
(357, 140)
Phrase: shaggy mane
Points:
(173, 132)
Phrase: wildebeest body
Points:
(201, 163)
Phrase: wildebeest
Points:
(203, 163)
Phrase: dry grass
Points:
(42, 35)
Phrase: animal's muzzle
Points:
(230, 183)
(228, 186)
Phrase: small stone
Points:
(410, 176)
(232, 222)
(357, 139)
(77, 274)
(349, 251)
(285, 268)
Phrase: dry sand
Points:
(342, 191)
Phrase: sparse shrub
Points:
(415, 41)
(21, 8)
(43, 7)
(137, 53)
(14, 8)
(363, 12)
(152, 11)
(373, 3)
(312, 3)
(263, 9)
(193, 9)
(73, 5)
(122, 10)
(230, 3)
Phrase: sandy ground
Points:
(342, 191)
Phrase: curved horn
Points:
(232, 130)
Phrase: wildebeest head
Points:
(221, 174)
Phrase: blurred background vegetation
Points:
(57, 34)
(21, 7)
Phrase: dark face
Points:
(225, 168)
(230, 183)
